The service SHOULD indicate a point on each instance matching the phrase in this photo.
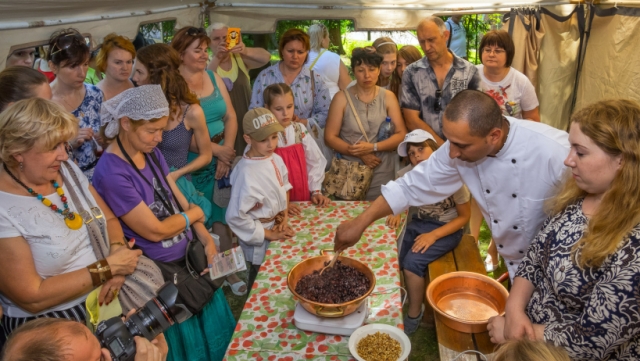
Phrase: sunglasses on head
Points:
(64, 42)
(437, 105)
(196, 31)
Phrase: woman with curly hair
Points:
(158, 64)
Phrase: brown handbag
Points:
(345, 179)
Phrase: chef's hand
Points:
(348, 234)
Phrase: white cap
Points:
(416, 136)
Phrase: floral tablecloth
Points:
(266, 330)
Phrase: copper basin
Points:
(465, 301)
(328, 309)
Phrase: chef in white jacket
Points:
(510, 166)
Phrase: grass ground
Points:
(424, 343)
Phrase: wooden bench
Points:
(465, 257)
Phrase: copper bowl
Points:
(465, 301)
(328, 309)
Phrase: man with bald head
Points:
(511, 166)
(57, 339)
(429, 84)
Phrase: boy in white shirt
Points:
(259, 186)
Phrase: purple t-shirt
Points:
(123, 189)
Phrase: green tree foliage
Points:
(337, 30)
(166, 29)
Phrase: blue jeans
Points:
(417, 263)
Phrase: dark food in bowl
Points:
(338, 284)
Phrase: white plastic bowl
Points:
(395, 333)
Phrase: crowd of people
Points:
(112, 188)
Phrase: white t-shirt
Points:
(513, 94)
(56, 248)
(328, 65)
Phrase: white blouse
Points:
(56, 248)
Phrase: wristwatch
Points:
(375, 147)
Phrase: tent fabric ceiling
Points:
(41, 10)
(38, 11)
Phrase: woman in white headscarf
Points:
(131, 177)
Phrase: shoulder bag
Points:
(140, 286)
(345, 179)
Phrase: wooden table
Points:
(266, 330)
(451, 343)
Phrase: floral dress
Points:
(594, 313)
(88, 114)
(311, 101)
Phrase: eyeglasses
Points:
(196, 31)
(437, 105)
(66, 41)
(496, 51)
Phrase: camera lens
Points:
(158, 314)
(149, 321)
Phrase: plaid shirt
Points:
(419, 85)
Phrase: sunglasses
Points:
(66, 41)
(196, 31)
(437, 106)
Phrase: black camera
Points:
(155, 317)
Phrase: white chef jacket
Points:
(510, 188)
(316, 161)
(256, 180)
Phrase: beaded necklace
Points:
(71, 219)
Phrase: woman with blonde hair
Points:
(407, 55)
(115, 60)
(49, 264)
(578, 285)
(526, 350)
(324, 62)
(388, 49)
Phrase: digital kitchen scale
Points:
(335, 326)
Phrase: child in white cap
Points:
(259, 186)
(433, 231)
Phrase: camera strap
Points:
(164, 197)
